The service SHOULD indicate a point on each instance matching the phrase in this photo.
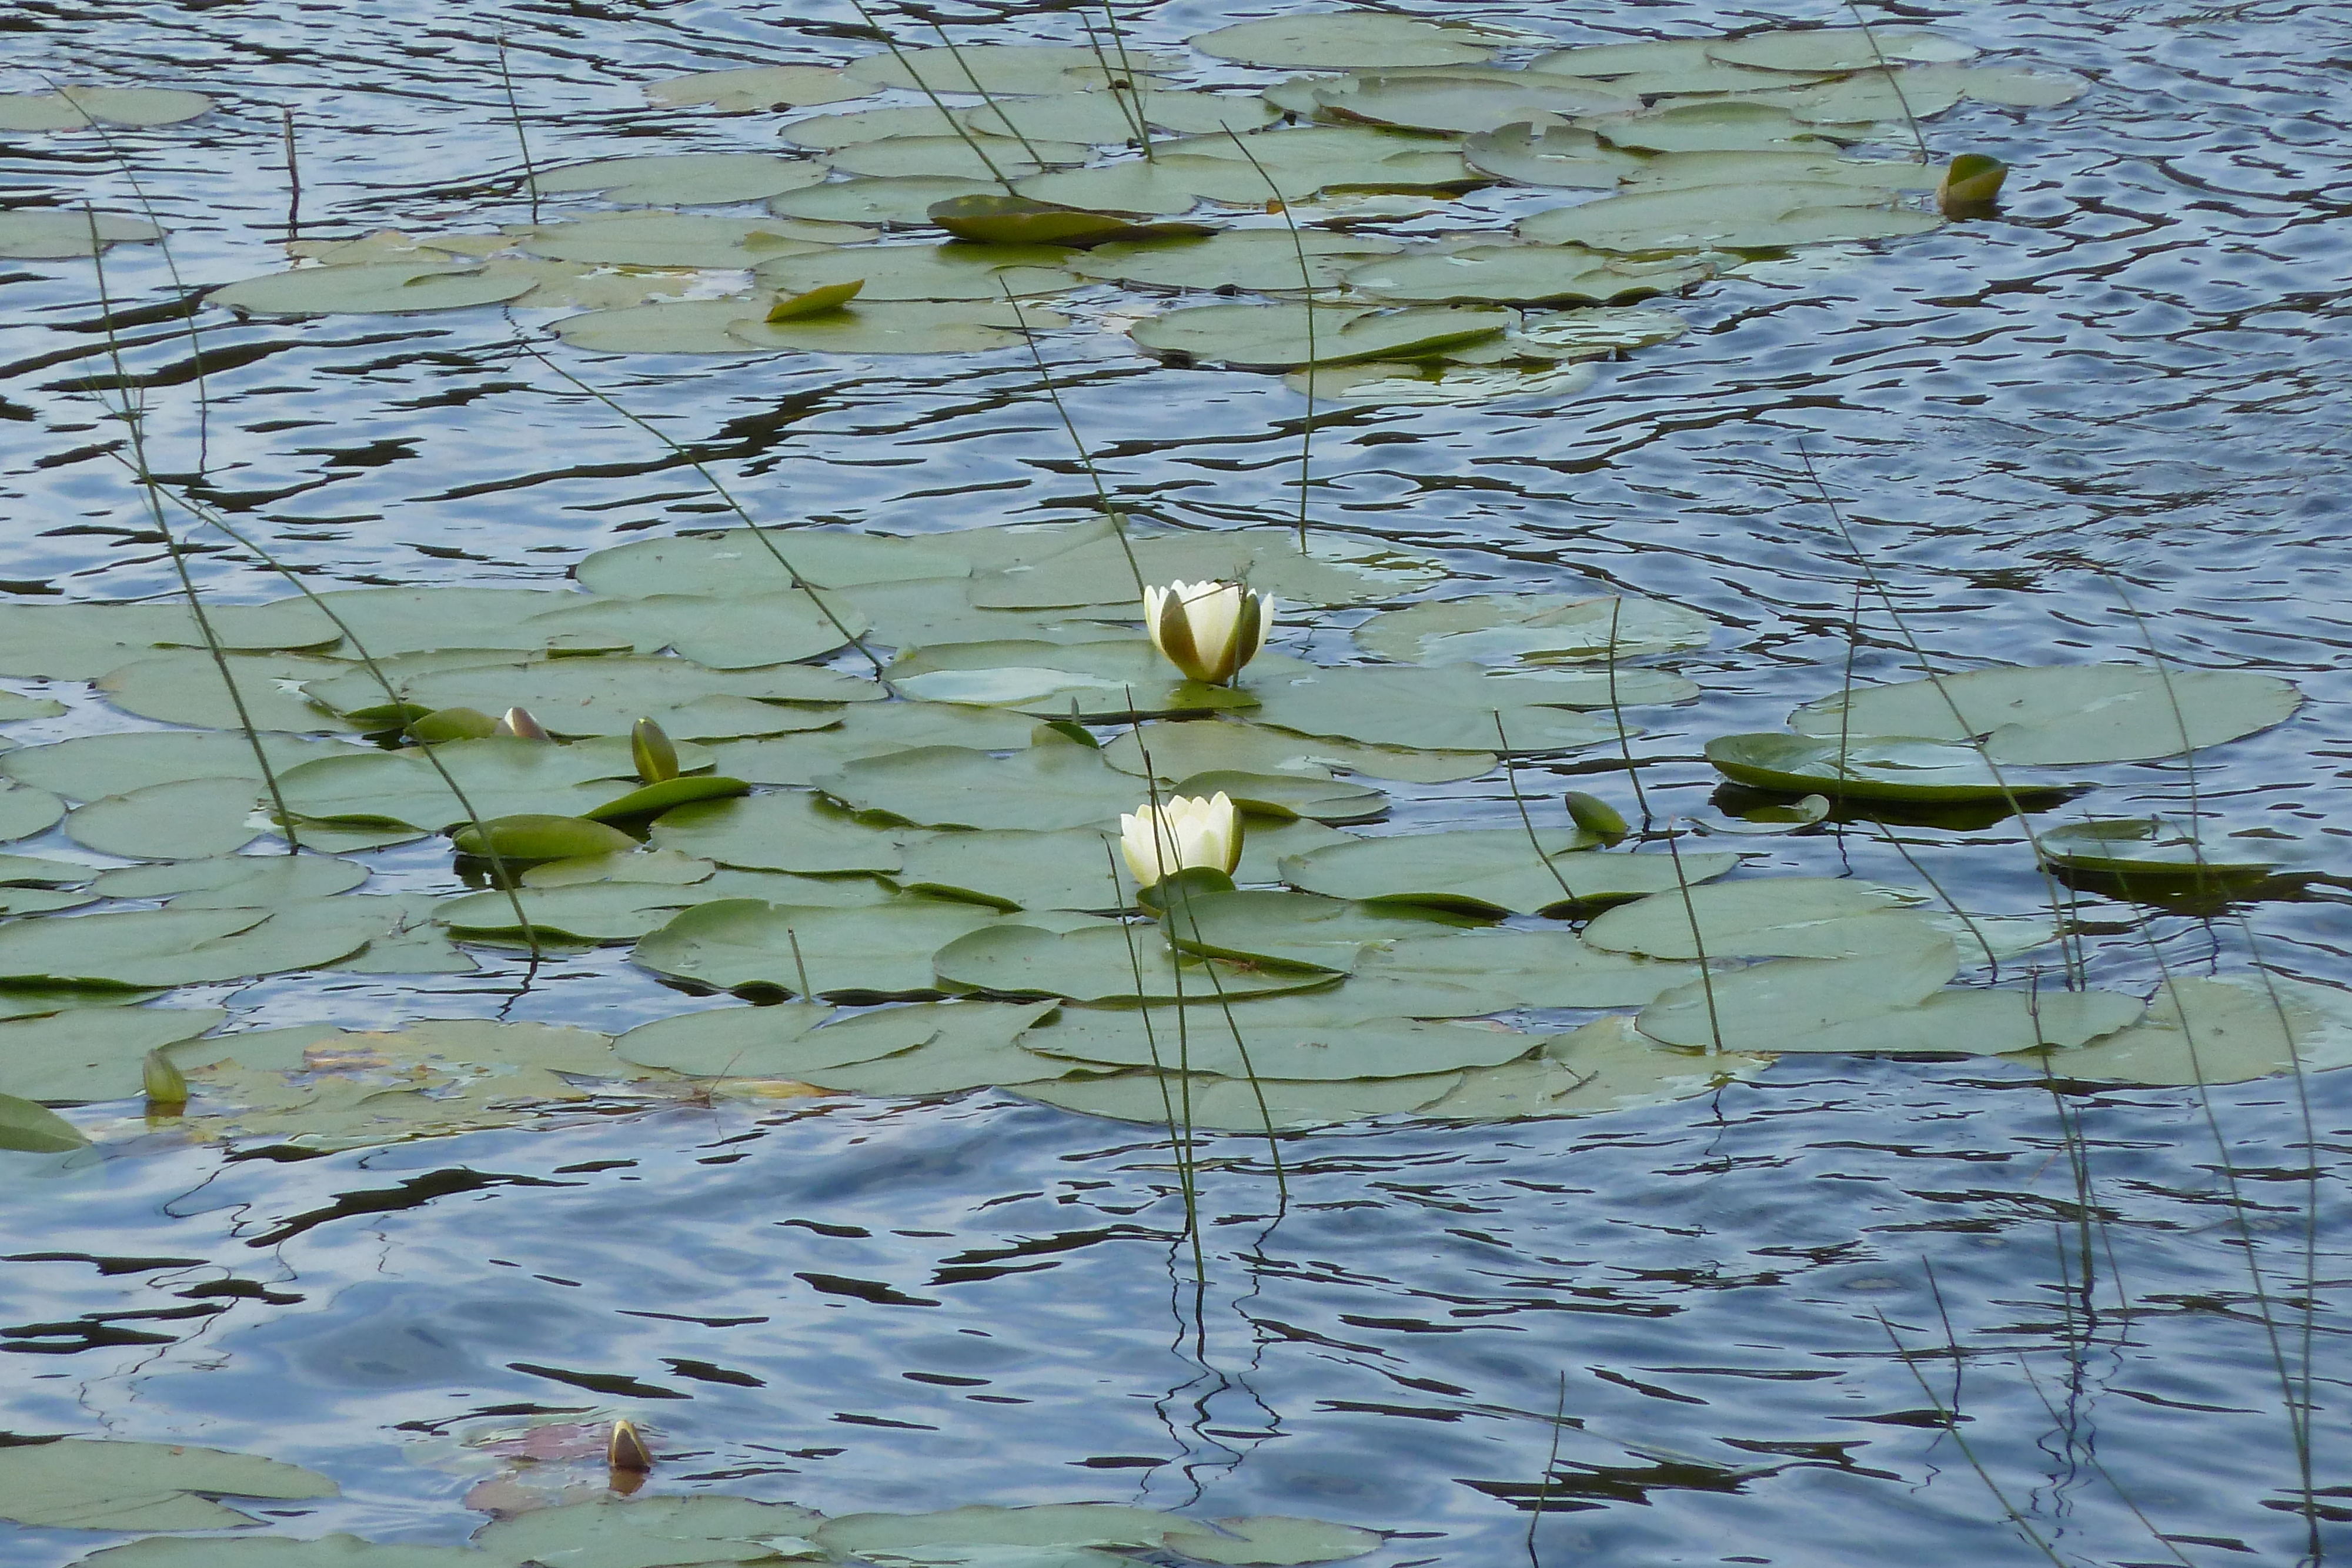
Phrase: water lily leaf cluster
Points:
(1049, 169)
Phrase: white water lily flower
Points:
(1184, 832)
(1208, 630)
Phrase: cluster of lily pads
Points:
(97, 1484)
(1052, 170)
(872, 785)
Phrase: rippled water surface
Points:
(2124, 395)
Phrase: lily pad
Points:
(1429, 384)
(685, 180)
(1212, 1104)
(743, 89)
(792, 833)
(1713, 124)
(1018, 221)
(46, 234)
(974, 1048)
(1507, 969)
(953, 271)
(1014, 868)
(28, 1128)
(1277, 337)
(1781, 916)
(1492, 627)
(1300, 930)
(1195, 747)
(1465, 105)
(668, 239)
(2064, 714)
(999, 68)
(1284, 1047)
(1104, 118)
(182, 820)
(1683, 170)
(91, 1053)
(1566, 156)
(951, 157)
(872, 729)
(76, 108)
(1448, 708)
(874, 953)
(1340, 570)
(737, 562)
(1053, 784)
(25, 811)
(701, 1528)
(1838, 48)
(183, 687)
(2142, 857)
(783, 1042)
(1606, 1065)
(337, 1550)
(686, 327)
(1874, 767)
(369, 290)
(2217, 1031)
(1273, 1539)
(235, 881)
(178, 947)
(79, 1483)
(593, 912)
(903, 202)
(1975, 1022)
(744, 628)
(1520, 275)
(1260, 260)
(1732, 217)
(1100, 964)
(1783, 1003)
(607, 697)
(501, 775)
(905, 326)
(1344, 38)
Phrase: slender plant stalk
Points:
(293, 174)
(1551, 1464)
(1086, 458)
(986, 98)
(1129, 97)
(1949, 1422)
(963, 132)
(1511, 778)
(2092, 1454)
(1306, 293)
(1893, 81)
(514, 111)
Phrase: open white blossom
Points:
(1180, 833)
(1208, 630)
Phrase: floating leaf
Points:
(996, 69)
(536, 836)
(951, 157)
(2067, 714)
(1300, 930)
(903, 202)
(161, 947)
(1771, 1005)
(235, 881)
(974, 1048)
(781, 1041)
(1781, 167)
(607, 697)
(872, 729)
(747, 89)
(1277, 1039)
(1507, 970)
(369, 290)
(1018, 221)
(1209, 1103)
(904, 327)
(1053, 784)
(185, 686)
(895, 272)
(685, 180)
(2138, 857)
(1781, 916)
(1566, 156)
(1606, 1065)
(701, 1528)
(668, 239)
(1195, 747)
(337, 1550)
(1874, 767)
(1623, 59)
(737, 563)
(1015, 868)
(1340, 570)
(1450, 708)
(2217, 1031)
(1276, 337)
(1732, 217)
(1342, 38)
(793, 832)
(38, 233)
(1287, 797)
(871, 952)
(1428, 384)
(1106, 117)
(1464, 104)
(182, 820)
(1273, 1539)
(1974, 1022)
(499, 775)
(1838, 48)
(670, 792)
(1520, 275)
(688, 327)
(92, 1053)
(1260, 260)
(77, 1483)
(615, 912)
(76, 108)
(27, 1128)
(1497, 627)
(25, 811)
(1100, 964)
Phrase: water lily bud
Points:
(1184, 832)
(1596, 816)
(627, 1450)
(517, 722)
(166, 1086)
(651, 750)
(1208, 630)
(1970, 185)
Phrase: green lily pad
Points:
(1277, 337)
(91, 1053)
(1340, 571)
(1702, 125)
(687, 327)
(1241, 1105)
(684, 180)
(954, 271)
(1284, 796)
(37, 871)
(369, 290)
(1731, 218)
(607, 697)
(668, 239)
(2140, 856)
(1872, 95)
(235, 881)
(51, 235)
(972, 1049)
(1300, 930)
(84, 641)
(76, 108)
(953, 157)
(144, 949)
(1106, 117)
(1100, 964)
(1054, 784)
(1769, 167)
(878, 952)
(1838, 48)
(2067, 714)
(892, 202)
(737, 563)
(905, 326)
(336, 1551)
(1623, 59)
(1272, 1539)
(872, 729)
(783, 1042)
(183, 687)
(25, 811)
(1492, 871)
(745, 89)
(733, 630)
(1781, 916)
(593, 912)
(1260, 260)
(28, 1128)
(1520, 275)
(2217, 1031)
(501, 775)
(1447, 708)
(1018, 221)
(1428, 384)
(79, 1483)
(792, 833)
(1978, 1023)
(537, 836)
(2022, 88)
(1195, 747)
(182, 820)
(999, 68)
(1014, 868)
(831, 132)
(1465, 104)
(1534, 153)
(1537, 626)
(1783, 1003)
(1606, 1065)
(1344, 38)
(1507, 970)
(394, 620)
(667, 795)
(1286, 1047)
(1874, 767)
(644, 1533)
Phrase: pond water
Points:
(1720, 1330)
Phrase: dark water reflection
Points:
(2135, 378)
